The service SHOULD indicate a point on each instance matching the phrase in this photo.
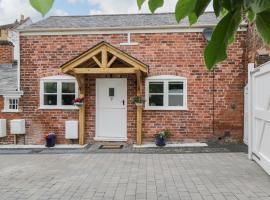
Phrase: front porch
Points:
(107, 61)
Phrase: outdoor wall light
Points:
(207, 34)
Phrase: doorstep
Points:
(58, 146)
(173, 145)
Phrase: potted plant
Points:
(50, 139)
(161, 137)
(137, 100)
(78, 102)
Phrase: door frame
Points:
(100, 138)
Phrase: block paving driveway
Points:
(116, 176)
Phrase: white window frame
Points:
(166, 79)
(59, 80)
(7, 99)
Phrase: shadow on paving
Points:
(94, 148)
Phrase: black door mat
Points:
(111, 146)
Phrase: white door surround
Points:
(111, 109)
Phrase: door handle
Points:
(123, 101)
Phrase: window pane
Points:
(68, 87)
(155, 100)
(176, 87)
(176, 100)
(156, 87)
(50, 87)
(67, 99)
(50, 99)
(13, 104)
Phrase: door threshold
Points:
(104, 139)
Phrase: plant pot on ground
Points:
(50, 139)
(161, 137)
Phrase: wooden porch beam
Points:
(111, 61)
(81, 82)
(104, 57)
(130, 61)
(97, 61)
(139, 83)
(139, 109)
(81, 59)
(104, 70)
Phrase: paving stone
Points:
(125, 176)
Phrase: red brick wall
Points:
(255, 44)
(6, 52)
(178, 54)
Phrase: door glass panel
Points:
(111, 92)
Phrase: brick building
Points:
(110, 59)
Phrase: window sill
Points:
(11, 111)
(167, 108)
(58, 108)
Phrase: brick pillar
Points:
(6, 52)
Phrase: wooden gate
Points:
(259, 116)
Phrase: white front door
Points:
(111, 109)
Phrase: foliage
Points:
(137, 99)
(164, 134)
(230, 14)
(42, 6)
(78, 100)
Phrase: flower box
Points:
(78, 104)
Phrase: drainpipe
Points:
(213, 99)
(19, 64)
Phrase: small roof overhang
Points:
(104, 58)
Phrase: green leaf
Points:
(140, 3)
(42, 6)
(251, 16)
(155, 4)
(231, 5)
(263, 26)
(184, 8)
(223, 12)
(247, 4)
(200, 7)
(221, 37)
(258, 6)
(227, 4)
(217, 7)
(192, 18)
